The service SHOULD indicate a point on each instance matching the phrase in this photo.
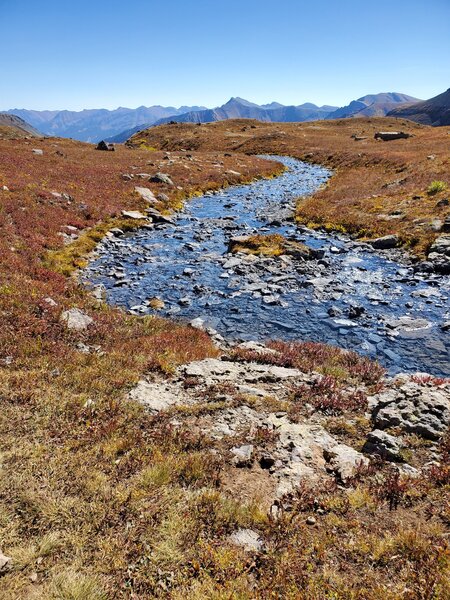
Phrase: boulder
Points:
(161, 178)
(105, 147)
(133, 214)
(145, 194)
(344, 461)
(414, 407)
(385, 243)
(158, 217)
(76, 319)
(387, 136)
(381, 443)
(242, 455)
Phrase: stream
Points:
(352, 296)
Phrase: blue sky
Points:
(78, 54)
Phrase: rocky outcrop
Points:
(418, 408)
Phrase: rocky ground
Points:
(276, 451)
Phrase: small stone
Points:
(4, 561)
(311, 521)
(242, 455)
(247, 539)
(50, 301)
(38, 151)
(156, 303)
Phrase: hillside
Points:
(13, 127)
(435, 112)
(95, 124)
(372, 105)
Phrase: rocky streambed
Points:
(376, 302)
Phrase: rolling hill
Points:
(13, 126)
(435, 111)
(372, 105)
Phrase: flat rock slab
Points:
(159, 396)
(212, 369)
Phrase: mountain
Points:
(17, 127)
(372, 105)
(435, 111)
(95, 124)
(238, 108)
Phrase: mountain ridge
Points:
(435, 111)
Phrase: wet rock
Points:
(406, 325)
(158, 217)
(385, 243)
(247, 539)
(381, 443)
(76, 319)
(354, 312)
(414, 407)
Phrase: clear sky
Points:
(76, 54)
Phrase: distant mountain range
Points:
(120, 124)
(238, 108)
(96, 124)
(435, 111)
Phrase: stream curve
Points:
(352, 296)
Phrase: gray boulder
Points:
(381, 443)
(414, 407)
(76, 319)
(385, 243)
(161, 178)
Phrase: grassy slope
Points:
(372, 180)
(99, 500)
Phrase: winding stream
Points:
(353, 297)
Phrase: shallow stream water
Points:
(353, 296)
